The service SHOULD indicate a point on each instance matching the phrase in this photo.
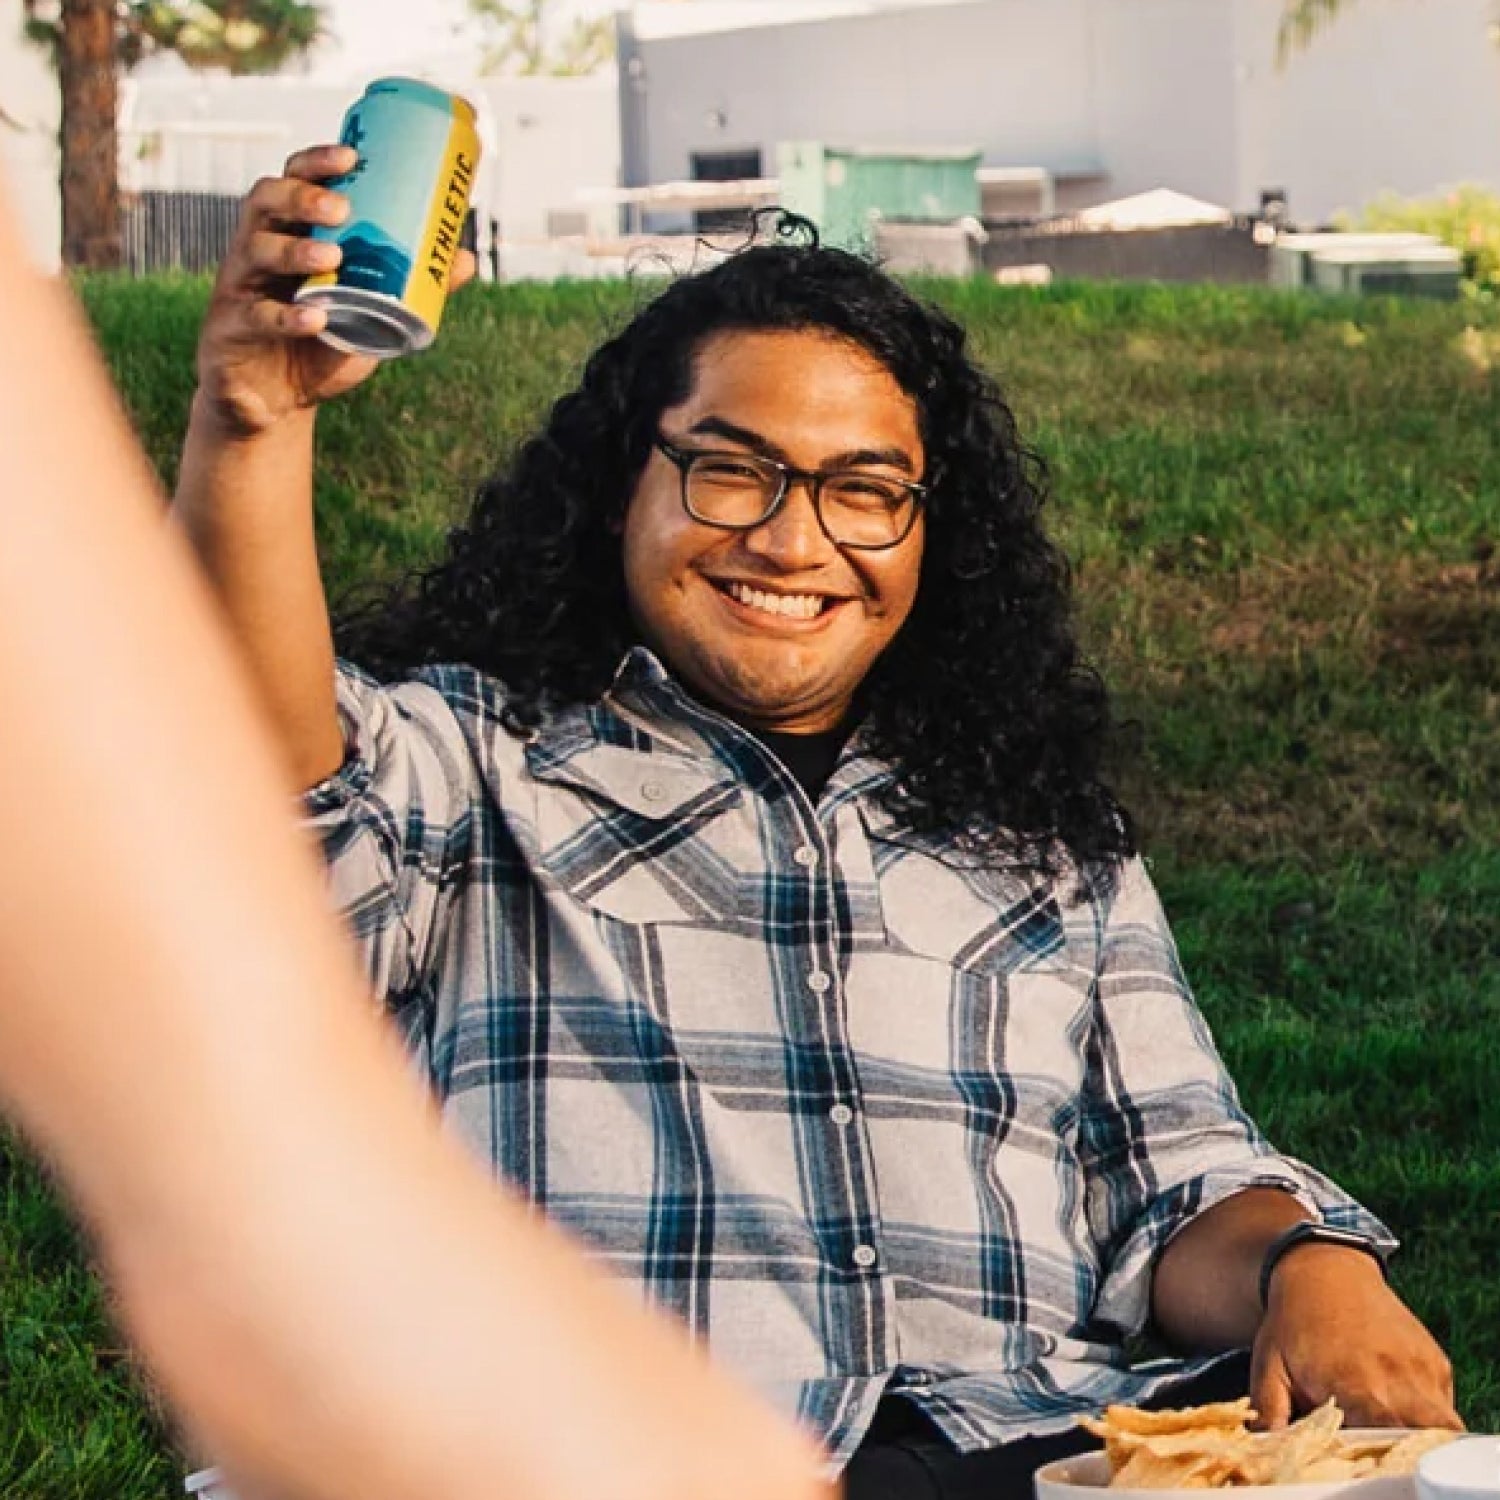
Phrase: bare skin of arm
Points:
(338, 1301)
(245, 504)
(1333, 1326)
(245, 490)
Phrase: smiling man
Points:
(721, 819)
(773, 589)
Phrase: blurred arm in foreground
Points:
(339, 1303)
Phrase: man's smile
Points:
(779, 604)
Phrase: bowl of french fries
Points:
(1150, 1455)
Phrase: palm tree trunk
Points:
(87, 64)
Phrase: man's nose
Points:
(793, 537)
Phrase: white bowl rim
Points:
(1449, 1453)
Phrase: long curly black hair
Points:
(996, 727)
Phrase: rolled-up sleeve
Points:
(1163, 1136)
(392, 823)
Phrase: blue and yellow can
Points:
(409, 197)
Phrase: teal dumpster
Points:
(846, 190)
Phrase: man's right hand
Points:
(259, 356)
(245, 484)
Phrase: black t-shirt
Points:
(809, 757)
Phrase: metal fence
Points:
(180, 231)
(176, 231)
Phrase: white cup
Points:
(1468, 1469)
(207, 1484)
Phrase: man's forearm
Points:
(245, 504)
(1206, 1291)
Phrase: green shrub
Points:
(1467, 218)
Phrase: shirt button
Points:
(653, 791)
(865, 1256)
(818, 981)
(806, 856)
(841, 1114)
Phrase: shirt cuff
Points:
(1124, 1299)
(352, 779)
(349, 783)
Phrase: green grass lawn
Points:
(1285, 516)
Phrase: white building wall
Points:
(29, 164)
(554, 139)
(546, 140)
(209, 133)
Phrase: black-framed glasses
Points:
(740, 491)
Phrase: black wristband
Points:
(1309, 1231)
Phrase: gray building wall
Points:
(1161, 84)
(1400, 94)
(939, 76)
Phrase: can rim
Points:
(351, 308)
(425, 92)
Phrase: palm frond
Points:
(1301, 21)
(41, 23)
(523, 41)
(241, 36)
(586, 47)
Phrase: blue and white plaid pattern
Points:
(865, 1118)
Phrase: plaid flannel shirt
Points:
(864, 1117)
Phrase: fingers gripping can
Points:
(409, 196)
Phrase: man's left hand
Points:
(1334, 1328)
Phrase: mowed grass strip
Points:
(1284, 514)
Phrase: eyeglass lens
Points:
(857, 508)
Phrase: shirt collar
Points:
(646, 710)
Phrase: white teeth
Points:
(796, 606)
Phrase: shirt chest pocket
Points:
(978, 919)
(641, 840)
(993, 993)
